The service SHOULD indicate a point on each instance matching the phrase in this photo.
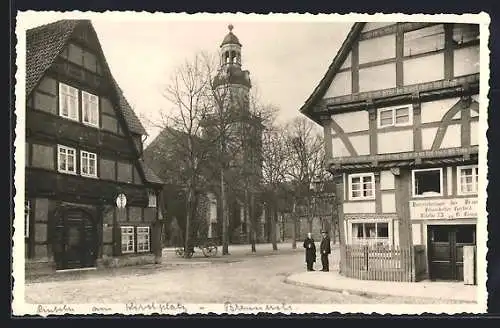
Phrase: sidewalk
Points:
(333, 281)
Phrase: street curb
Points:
(289, 281)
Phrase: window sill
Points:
(90, 176)
(95, 126)
(67, 172)
(361, 199)
(468, 194)
(427, 196)
(70, 119)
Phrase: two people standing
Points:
(325, 250)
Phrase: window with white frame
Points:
(361, 186)
(66, 159)
(88, 164)
(395, 116)
(90, 109)
(143, 239)
(427, 182)
(68, 101)
(151, 199)
(27, 209)
(468, 178)
(128, 240)
(370, 233)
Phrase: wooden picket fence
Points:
(368, 262)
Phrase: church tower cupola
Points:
(230, 49)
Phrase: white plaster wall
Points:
(377, 77)
(359, 207)
(338, 148)
(395, 232)
(353, 121)
(347, 62)
(340, 86)
(386, 180)
(395, 142)
(380, 48)
(414, 73)
(416, 233)
(388, 203)
(475, 97)
(457, 116)
(452, 137)
(449, 181)
(374, 25)
(466, 61)
(428, 135)
(433, 111)
(474, 133)
(361, 144)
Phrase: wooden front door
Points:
(445, 248)
(75, 241)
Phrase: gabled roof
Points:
(149, 174)
(322, 87)
(43, 45)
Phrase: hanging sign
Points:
(454, 208)
(121, 201)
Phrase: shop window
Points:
(427, 182)
(128, 240)
(361, 186)
(468, 178)
(424, 40)
(398, 116)
(143, 239)
(370, 233)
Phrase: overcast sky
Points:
(286, 59)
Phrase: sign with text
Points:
(454, 208)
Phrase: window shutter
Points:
(118, 239)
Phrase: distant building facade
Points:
(400, 111)
(83, 149)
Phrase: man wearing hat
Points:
(325, 251)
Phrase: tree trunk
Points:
(294, 225)
(225, 243)
(274, 219)
(189, 211)
(252, 222)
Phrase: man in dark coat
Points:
(310, 251)
(325, 251)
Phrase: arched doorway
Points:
(75, 239)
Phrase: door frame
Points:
(452, 237)
(60, 219)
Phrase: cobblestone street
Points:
(250, 280)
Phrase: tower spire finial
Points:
(230, 27)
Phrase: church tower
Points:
(235, 81)
(246, 130)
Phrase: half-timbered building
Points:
(84, 147)
(399, 106)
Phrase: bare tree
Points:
(181, 148)
(275, 166)
(306, 151)
(255, 122)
